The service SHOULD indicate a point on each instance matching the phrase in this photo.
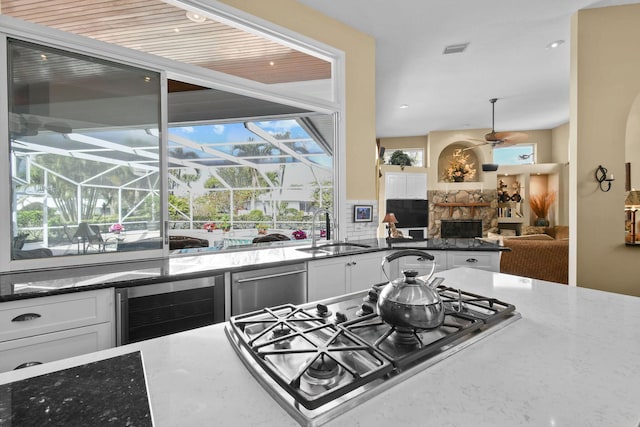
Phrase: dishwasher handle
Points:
(270, 276)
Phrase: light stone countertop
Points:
(573, 359)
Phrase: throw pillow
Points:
(532, 229)
(531, 237)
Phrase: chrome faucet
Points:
(314, 239)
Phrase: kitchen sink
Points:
(335, 248)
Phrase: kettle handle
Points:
(404, 253)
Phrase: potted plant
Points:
(540, 205)
(116, 228)
(262, 228)
(400, 158)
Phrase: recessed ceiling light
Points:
(555, 44)
(195, 17)
(176, 30)
(271, 63)
(43, 57)
(404, 106)
(455, 48)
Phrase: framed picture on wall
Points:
(363, 213)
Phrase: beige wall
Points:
(605, 70)
(359, 48)
(560, 144)
(560, 155)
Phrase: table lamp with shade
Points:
(390, 220)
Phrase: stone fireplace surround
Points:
(488, 214)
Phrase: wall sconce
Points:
(391, 220)
(603, 181)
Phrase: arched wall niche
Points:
(472, 156)
(632, 143)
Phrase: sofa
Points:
(539, 253)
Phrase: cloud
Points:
(188, 129)
(218, 129)
(279, 126)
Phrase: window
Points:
(84, 147)
(521, 154)
(85, 140)
(236, 180)
(415, 154)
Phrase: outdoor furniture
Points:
(273, 237)
(89, 235)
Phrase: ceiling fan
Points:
(503, 139)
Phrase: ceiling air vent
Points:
(455, 48)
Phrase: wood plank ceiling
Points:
(155, 27)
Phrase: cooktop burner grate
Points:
(312, 359)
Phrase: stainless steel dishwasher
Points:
(266, 287)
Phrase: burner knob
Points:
(340, 317)
(366, 309)
(373, 295)
(322, 310)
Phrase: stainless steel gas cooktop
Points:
(320, 360)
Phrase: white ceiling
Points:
(506, 59)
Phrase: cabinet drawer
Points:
(483, 260)
(55, 346)
(21, 319)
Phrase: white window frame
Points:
(16, 28)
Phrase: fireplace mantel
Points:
(472, 205)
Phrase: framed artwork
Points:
(363, 213)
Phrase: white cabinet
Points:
(54, 345)
(326, 278)
(364, 271)
(484, 260)
(336, 276)
(55, 327)
(400, 185)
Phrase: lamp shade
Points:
(633, 199)
(390, 218)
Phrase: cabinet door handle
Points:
(26, 316)
(348, 264)
(472, 260)
(270, 276)
(353, 263)
(26, 365)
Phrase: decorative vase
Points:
(542, 222)
(458, 179)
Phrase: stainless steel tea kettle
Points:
(409, 301)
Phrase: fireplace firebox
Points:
(460, 228)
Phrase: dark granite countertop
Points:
(199, 263)
(109, 392)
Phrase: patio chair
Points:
(90, 236)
